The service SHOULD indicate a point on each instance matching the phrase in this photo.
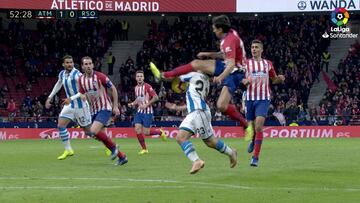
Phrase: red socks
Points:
(234, 114)
(104, 139)
(181, 70)
(258, 142)
(141, 140)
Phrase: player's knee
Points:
(137, 130)
(222, 107)
(180, 139)
(146, 133)
(196, 64)
(258, 128)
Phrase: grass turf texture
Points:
(290, 170)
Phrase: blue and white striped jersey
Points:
(197, 91)
(70, 83)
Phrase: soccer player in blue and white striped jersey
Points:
(77, 110)
(198, 121)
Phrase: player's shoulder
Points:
(61, 73)
(268, 62)
(233, 35)
(76, 71)
(100, 74)
(147, 85)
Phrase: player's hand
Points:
(170, 106)
(202, 55)
(281, 78)
(143, 106)
(246, 82)
(66, 101)
(48, 104)
(116, 111)
(83, 97)
(218, 80)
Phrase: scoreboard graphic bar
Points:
(52, 14)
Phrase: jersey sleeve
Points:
(150, 90)
(230, 48)
(105, 81)
(186, 77)
(57, 86)
(272, 72)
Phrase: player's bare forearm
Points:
(180, 108)
(278, 79)
(230, 65)
(114, 94)
(153, 100)
(213, 55)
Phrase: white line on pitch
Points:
(217, 185)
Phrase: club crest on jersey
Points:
(228, 49)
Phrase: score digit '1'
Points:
(66, 14)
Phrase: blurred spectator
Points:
(19, 86)
(124, 30)
(11, 108)
(325, 59)
(111, 61)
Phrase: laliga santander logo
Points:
(340, 16)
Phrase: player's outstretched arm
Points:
(54, 91)
(230, 65)
(114, 94)
(174, 107)
(133, 104)
(78, 95)
(278, 79)
(213, 55)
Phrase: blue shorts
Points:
(256, 108)
(145, 119)
(232, 81)
(103, 117)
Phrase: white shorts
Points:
(198, 122)
(80, 115)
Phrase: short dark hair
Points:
(85, 57)
(256, 41)
(66, 57)
(139, 71)
(223, 22)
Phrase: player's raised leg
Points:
(183, 140)
(206, 66)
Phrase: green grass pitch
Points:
(291, 170)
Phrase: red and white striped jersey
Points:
(259, 72)
(144, 93)
(94, 88)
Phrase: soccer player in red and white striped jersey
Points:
(93, 84)
(258, 73)
(145, 97)
(226, 66)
